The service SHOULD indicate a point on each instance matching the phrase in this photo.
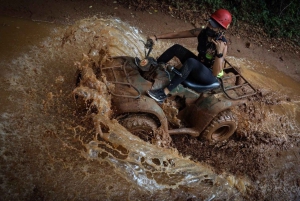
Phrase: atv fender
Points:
(143, 104)
(200, 114)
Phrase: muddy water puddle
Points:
(51, 150)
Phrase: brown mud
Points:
(264, 152)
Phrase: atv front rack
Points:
(113, 69)
(241, 87)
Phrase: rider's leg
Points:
(191, 68)
(176, 51)
(195, 70)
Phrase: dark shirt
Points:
(207, 49)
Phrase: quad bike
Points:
(193, 109)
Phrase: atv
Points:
(202, 111)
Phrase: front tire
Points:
(141, 125)
(221, 127)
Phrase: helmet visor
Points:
(213, 23)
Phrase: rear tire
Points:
(141, 125)
(221, 127)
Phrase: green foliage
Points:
(279, 18)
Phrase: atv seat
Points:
(189, 83)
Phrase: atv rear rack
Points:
(230, 90)
(116, 82)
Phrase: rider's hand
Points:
(153, 38)
(220, 45)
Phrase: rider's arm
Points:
(181, 34)
(221, 47)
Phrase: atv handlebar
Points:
(149, 43)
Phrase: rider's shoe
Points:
(157, 94)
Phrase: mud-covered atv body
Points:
(190, 108)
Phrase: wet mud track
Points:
(270, 160)
(46, 149)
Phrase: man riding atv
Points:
(200, 108)
(204, 68)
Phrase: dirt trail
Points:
(67, 12)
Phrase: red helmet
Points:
(223, 17)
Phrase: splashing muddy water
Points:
(51, 150)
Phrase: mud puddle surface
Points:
(52, 150)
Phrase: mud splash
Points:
(266, 144)
(51, 150)
(150, 167)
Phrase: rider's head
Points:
(220, 19)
